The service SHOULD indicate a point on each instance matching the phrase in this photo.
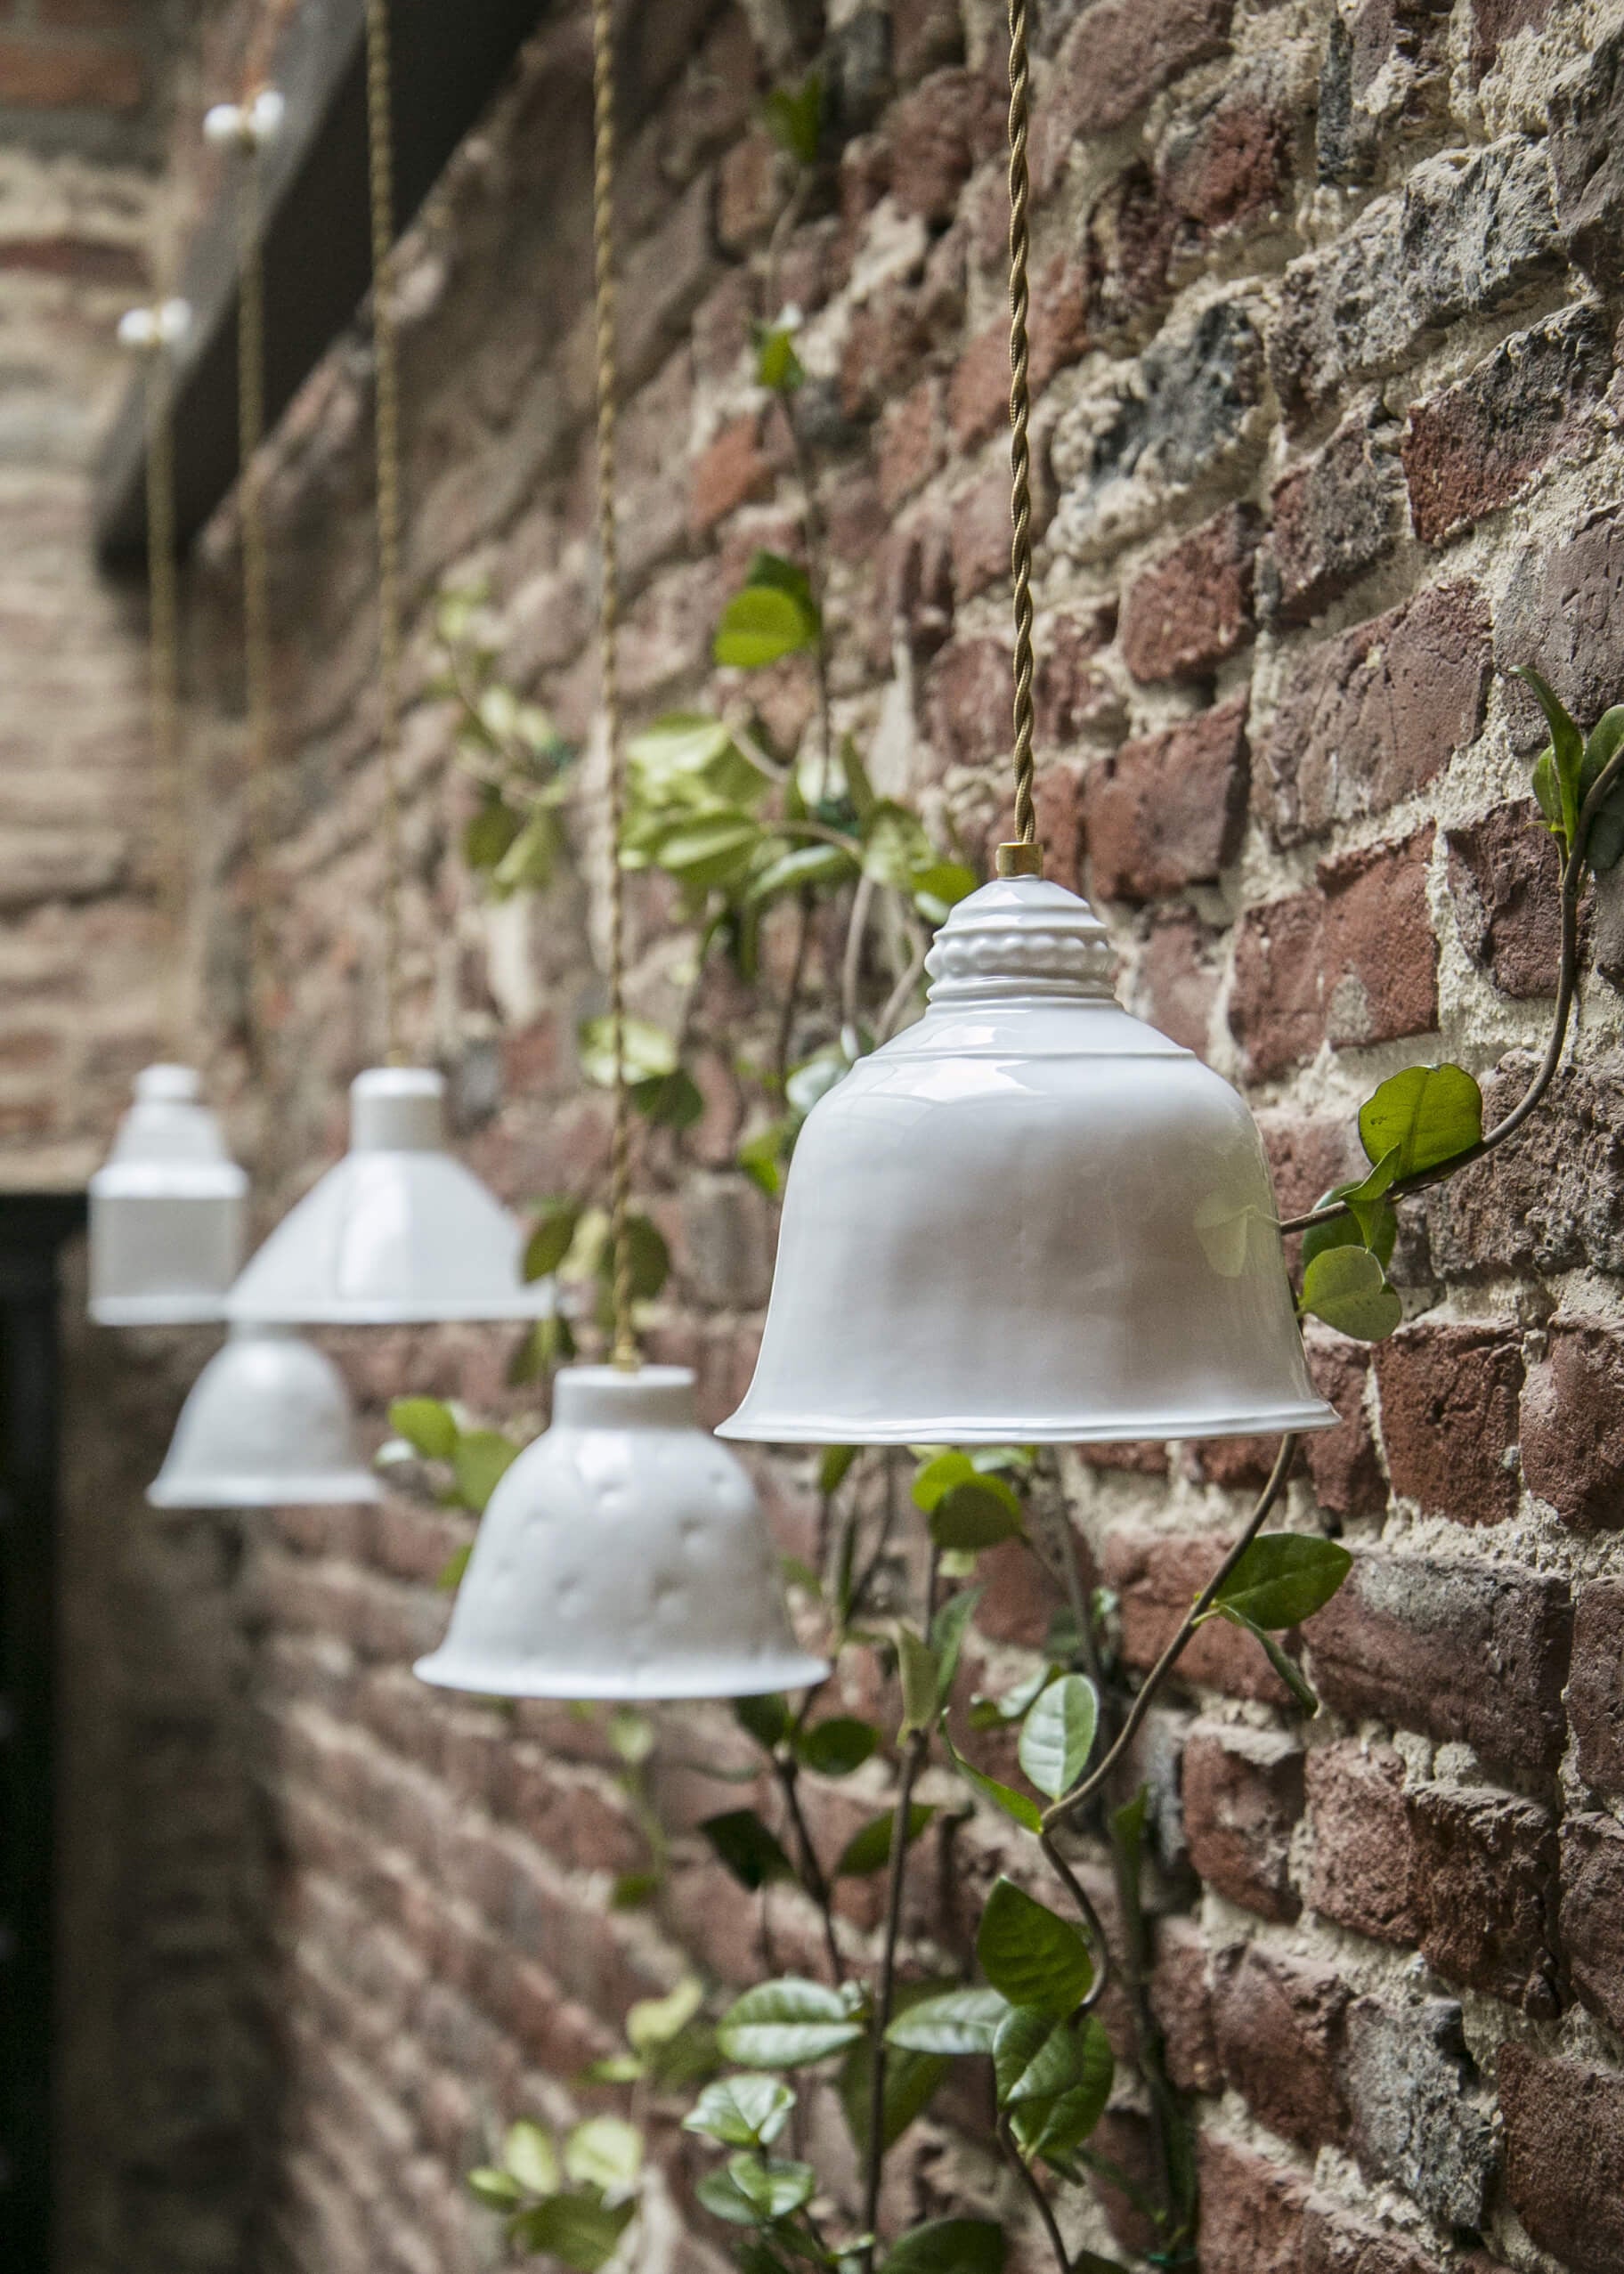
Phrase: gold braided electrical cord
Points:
(387, 424)
(162, 617)
(624, 1346)
(256, 557)
(1023, 857)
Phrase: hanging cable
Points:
(623, 1335)
(1024, 857)
(386, 419)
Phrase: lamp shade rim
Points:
(337, 1488)
(783, 1428)
(450, 1669)
(157, 1310)
(535, 1301)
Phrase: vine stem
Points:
(1081, 1793)
(815, 1879)
(1029, 2181)
(1567, 987)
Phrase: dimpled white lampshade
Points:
(1028, 1219)
(267, 1425)
(624, 1554)
(165, 1210)
(397, 1233)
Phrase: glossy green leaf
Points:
(1428, 1115)
(804, 868)
(921, 1678)
(1017, 1806)
(530, 861)
(1347, 1288)
(1604, 844)
(976, 1514)
(651, 1259)
(940, 887)
(450, 1575)
(835, 1466)
(766, 1718)
(1282, 1662)
(955, 2022)
(990, 1712)
(742, 2111)
(669, 1100)
(498, 2190)
(836, 1747)
(947, 1632)
(655, 2022)
(786, 2025)
(949, 2247)
(1567, 746)
(529, 2156)
(1030, 1954)
(760, 625)
(778, 368)
(428, 1427)
(605, 2152)
(937, 1473)
(1053, 2079)
(1059, 1734)
(1284, 1577)
(490, 831)
(748, 1848)
(577, 2229)
(1547, 789)
(481, 1458)
(551, 1240)
(869, 1850)
(649, 1050)
(896, 849)
(1375, 1226)
(912, 2079)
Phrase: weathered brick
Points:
(1559, 610)
(1178, 979)
(1504, 874)
(913, 441)
(924, 33)
(1572, 1426)
(1194, 606)
(1473, 447)
(1595, 1693)
(1252, 2211)
(1334, 517)
(938, 131)
(1181, 2000)
(1593, 1913)
(1113, 62)
(1158, 1577)
(752, 190)
(1280, 2032)
(1380, 956)
(1362, 1873)
(1448, 1398)
(968, 699)
(1369, 719)
(979, 389)
(1420, 2119)
(733, 469)
(1545, 1204)
(1168, 811)
(1486, 1867)
(1342, 1462)
(1495, 22)
(1564, 2157)
(1453, 1649)
(1335, 2244)
(980, 526)
(1228, 161)
(1243, 1796)
(1128, 250)
(1586, 106)
(1277, 998)
(1384, 70)
(61, 74)
(1071, 694)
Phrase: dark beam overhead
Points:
(449, 58)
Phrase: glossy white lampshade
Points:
(268, 1424)
(397, 1233)
(166, 1210)
(1028, 1219)
(624, 1554)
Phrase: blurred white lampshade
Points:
(624, 1554)
(166, 1210)
(268, 1424)
(1028, 1219)
(397, 1233)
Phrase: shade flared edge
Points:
(156, 1310)
(443, 1669)
(342, 1488)
(750, 1428)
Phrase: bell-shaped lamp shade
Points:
(267, 1425)
(166, 1210)
(624, 1554)
(1028, 1219)
(397, 1233)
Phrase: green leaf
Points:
(742, 2111)
(1373, 1224)
(490, 831)
(896, 849)
(481, 1458)
(1053, 2079)
(778, 368)
(578, 2228)
(529, 2154)
(605, 2152)
(1428, 1115)
(761, 1158)
(794, 117)
(786, 2025)
(1284, 1577)
(941, 887)
(669, 1100)
(634, 1890)
(1347, 1288)
(920, 1680)
(949, 2247)
(748, 1848)
(804, 867)
(448, 1577)
(1567, 747)
(869, 1849)
(912, 2081)
(655, 2022)
(651, 1259)
(956, 2022)
(947, 1632)
(1015, 1805)
(528, 861)
(1030, 1954)
(753, 2191)
(815, 1080)
(495, 2189)
(836, 1747)
(990, 1713)
(1604, 844)
(766, 1718)
(428, 1427)
(1283, 1663)
(1547, 789)
(648, 1050)
(760, 625)
(976, 1514)
(552, 1239)
(632, 1736)
(835, 1466)
(1058, 1735)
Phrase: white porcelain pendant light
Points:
(622, 1555)
(1028, 1219)
(166, 1210)
(397, 1233)
(267, 1425)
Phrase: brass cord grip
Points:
(1020, 858)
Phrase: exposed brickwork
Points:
(1449, 1397)
(1243, 1794)
(1167, 811)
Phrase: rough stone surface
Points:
(1593, 1913)
(1564, 2157)
(1335, 2243)
(1193, 607)
(1420, 2115)
(1363, 1872)
(1168, 811)
(1277, 1001)
(1252, 2212)
(1243, 1796)
(1572, 1427)
(1485, 1885)
(1561, 600)
(1504, 873)
(1280, 2032)
(1334, 517)
(1448, 1400)
(1380, 973)
(1595, 1693)
(1543, 1204)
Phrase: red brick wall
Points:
(1325, 313)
